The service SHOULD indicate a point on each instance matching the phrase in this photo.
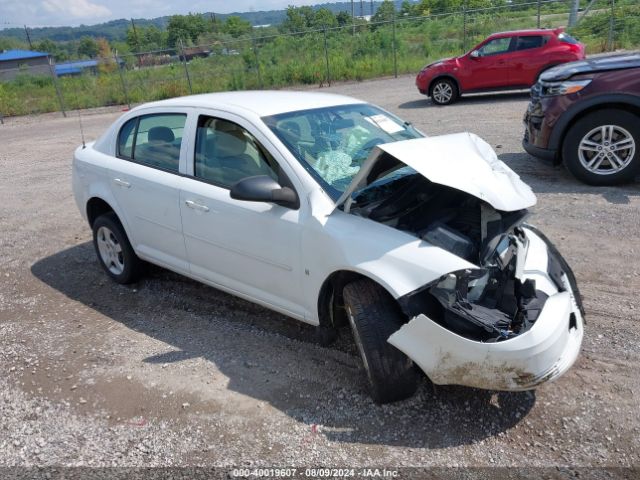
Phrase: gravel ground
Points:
(171, 372)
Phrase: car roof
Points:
(260, 102)
(533, 31)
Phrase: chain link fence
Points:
(351, 52)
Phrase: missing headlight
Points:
(485, 304)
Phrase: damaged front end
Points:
(491, 303)
(514, 318)
(505, 326)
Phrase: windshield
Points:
(332, 143)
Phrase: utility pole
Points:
(214, 24)
(573, 14)
(371, 2)
(353, 18)
(610, 40)
(361, 9)
(135, 37)
(26, 30)
(135, 34)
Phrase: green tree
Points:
(324, 18)
(343, 18)
(87, 47)
(10, 43)
(406, 9)
(186, 28)
(236, 26)
(298, 19)
(52, 48)
(385, 12)
(153, 38)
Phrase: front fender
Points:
(599, 101)
(399, 262)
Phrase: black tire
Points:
(573, 159)
(108, 228)
(445, 84)
(374, 316)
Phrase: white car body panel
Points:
(281, 258)
(251, 247)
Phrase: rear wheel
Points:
(444, 91)
(603, 148)
(114, 250)
(374, 316)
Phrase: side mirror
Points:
(263, 188)
(475, 54)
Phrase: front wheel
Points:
(603, 147)
(114, 250)
(374, 316)
(444, 92)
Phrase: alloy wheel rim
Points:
(442, 92)
(606, 150)
(110, 250)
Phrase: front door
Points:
(490, 69)
(251, 248)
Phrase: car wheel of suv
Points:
(374, 316)
(443, 91)
(603, 148)
(114, 250)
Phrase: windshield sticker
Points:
(385, 123)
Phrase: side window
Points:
(125, 139)
(495, 46)
(153, 140)
(226, 153)
(528, 42)
(158, 139)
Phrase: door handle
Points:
(196, 206)
(121, 183)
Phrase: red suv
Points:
(503, 61)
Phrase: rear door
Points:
(527, 59)
(490, 69)
(146, 183)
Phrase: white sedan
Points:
(332, 210)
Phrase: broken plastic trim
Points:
(554, 255)
(484, 304)
(487, 303)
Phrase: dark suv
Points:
(587, 114)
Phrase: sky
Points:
(15, 13)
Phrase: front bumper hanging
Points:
(542, 353)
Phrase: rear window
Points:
(566, 38)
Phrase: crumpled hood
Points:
(462, 161)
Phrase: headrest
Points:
(228, 144)
(161, 134)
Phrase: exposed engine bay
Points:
(488, 303)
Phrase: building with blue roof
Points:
(76, 67)
(15, 62)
